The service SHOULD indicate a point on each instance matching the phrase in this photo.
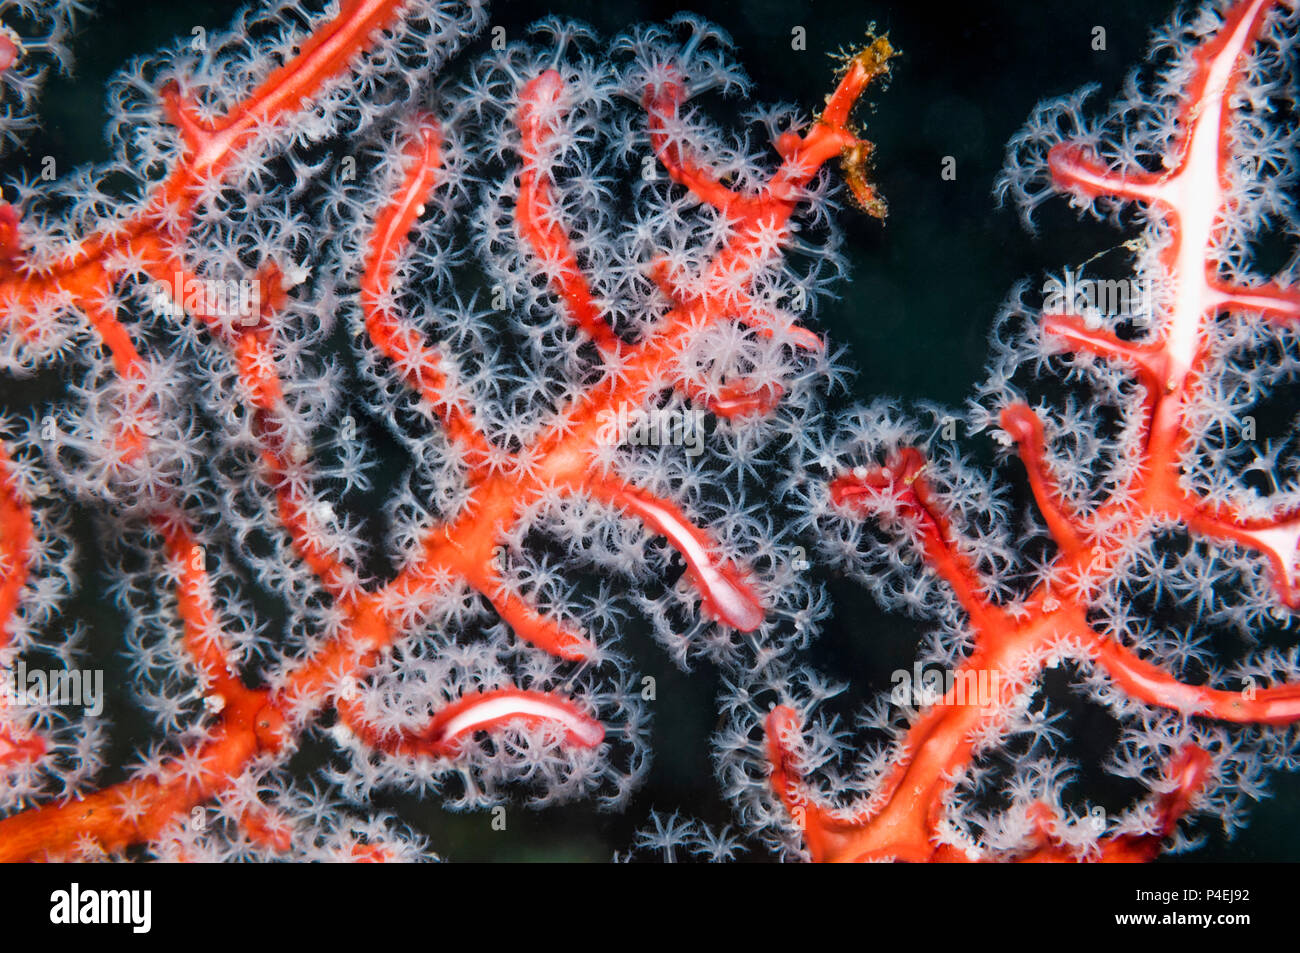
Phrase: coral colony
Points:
(582, 307)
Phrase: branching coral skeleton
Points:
(319, 236)
(1195, 210)
(55, 286)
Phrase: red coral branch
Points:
(17, 538)
(481, 712)
(254, 723)
(1188, 198)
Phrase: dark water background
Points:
(915, 313)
